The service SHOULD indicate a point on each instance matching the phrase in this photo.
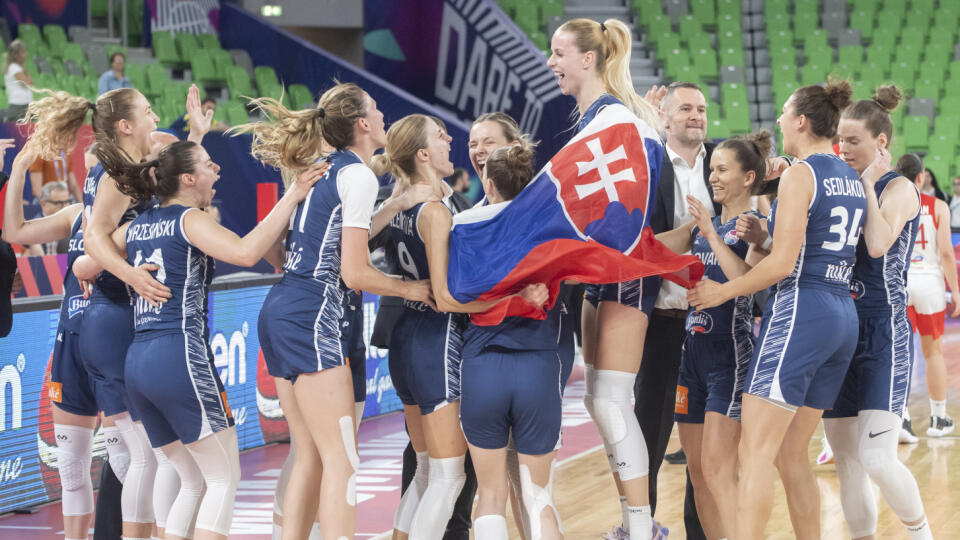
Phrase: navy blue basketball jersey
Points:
(834, 223)
(411, 250)
(343, 197)
(516, 333)
(157, 237)
(594, 109)
(73, 304)
(734, 316)
(106, 283)
(879, 283)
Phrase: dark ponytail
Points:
(751, 153)
(159, 178)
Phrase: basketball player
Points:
(792, 378)
(719, 343)
(932, 260)
(592, 63)
(864, 423)
(299, 323)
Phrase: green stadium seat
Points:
(943, 145)
(222, 62)
(862, 20)
(782, 73)
(265, 77)
(527, 17)
(926, 88)
(923, 5)
(704, 11)
(157, 78)
(204, 70)
(733, 93)
(933, 72)
(688, 26)
(737, 115)
(551, 8)
(782, 92)
(903, 75)
(677, 62)
(98, 8)
(705, 63)
(730, 40)
(728, 7)
(950, 105)
(916, 131)
(948, 14)
(300, 96)
(896, 6)
(817, 38)
(783, 54)
(236, 113)
(165, 49)
(238, 82)
(29, 34)
(940, 165)
(539, 40)
(731, 57)
(208, 41)
(850, 54)
(780, 38)
(814, 73)
(819, 53)
(806, 5)
(717, 128)
(918, 18)
(56, 39)
(938, 54)
(888, 19)
(879, 56)
(658, 23)
(777, 20)
(137, 76)
(805, 23)
(72, 51)
(186, 45)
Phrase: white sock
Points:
(938, 408)
(490, 527)
(921, 531)
(277, 532)
(641, 523)
(68, 538)
(625, 513)
(315, 532)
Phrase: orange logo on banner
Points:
(223, 396)
(55, 393)
(681, 405)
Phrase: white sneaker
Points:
(906, 433)
(940, 426)
(826, 455)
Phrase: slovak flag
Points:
(585, 217)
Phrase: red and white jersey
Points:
(926, 254)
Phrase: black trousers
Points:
(108, 521)
(655, 393)
(458, 528)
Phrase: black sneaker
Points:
(940, 426)
(676, 458)
(907, 436)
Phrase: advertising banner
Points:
(467, 57)
(28, 464)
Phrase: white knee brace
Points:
(218, 458)
(183, 513)
(490, 527)
(74, 453)
(117, 453)
(856, 493)
(136, 501)
(411, 497)
(436, 504)
(590, 382)
(350, 446)
(535, 499)
(166, 486)
(878, 454)
(613, 413)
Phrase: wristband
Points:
(767, 243)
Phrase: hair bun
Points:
(840, 93)
(888, 97)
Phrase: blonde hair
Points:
(404, 139)
(292, 139)
(59, 115)
(610, 41)
(511, 130)
(16, 49)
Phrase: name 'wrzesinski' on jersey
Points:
(149, 231)
(843, 186)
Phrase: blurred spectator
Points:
(10, 282)
(930, 186)
(43, 172)
(182, 124)
(114, 78)
(53, 198)
(460, 182)
(17, 81)
(955, 204)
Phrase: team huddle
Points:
(482, 404)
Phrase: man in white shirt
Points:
(686, 170)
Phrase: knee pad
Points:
(117, 452)
(218, 458)
(491, 527)
(74, 454)
(536, 499)
(183, 512)
(411, 497)
(436, 504)
(350, 446)
(617, 424)
(590, 381)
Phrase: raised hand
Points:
(750, 229)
